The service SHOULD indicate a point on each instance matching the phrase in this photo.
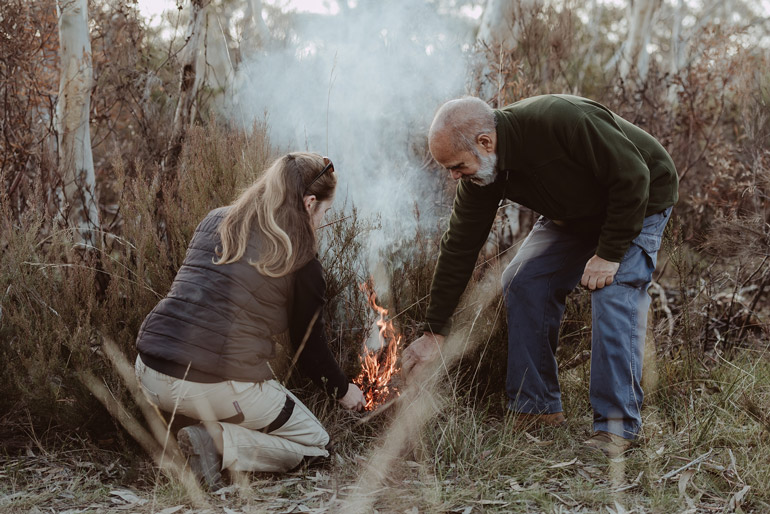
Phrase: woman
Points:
(249, 275)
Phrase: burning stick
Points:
(379, 365)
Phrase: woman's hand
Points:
(353, 399)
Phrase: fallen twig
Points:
(576, 361)
(688, 465)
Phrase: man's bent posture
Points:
(605, 189)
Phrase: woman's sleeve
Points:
(315, 359)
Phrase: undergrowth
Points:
(707, 372)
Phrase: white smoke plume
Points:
(362, 86)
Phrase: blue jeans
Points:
(546, 268)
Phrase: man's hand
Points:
(598, 273)
(422, 351)
(353, 399)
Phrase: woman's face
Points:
(317, 210)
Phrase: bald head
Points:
(458, 125)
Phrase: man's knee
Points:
(518, 276)
(510, 274)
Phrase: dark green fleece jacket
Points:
(569, 159)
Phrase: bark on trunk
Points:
(635, 58)
(77, 194)
(255, 31)
(676, 57)
(502, 22)
(189, 82)
(500, 31)
(214, 60)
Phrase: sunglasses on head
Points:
(328, 165)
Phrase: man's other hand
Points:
(353, 399)
(599, 273)
(422, 351)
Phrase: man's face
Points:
(477, 165)
(486, 172)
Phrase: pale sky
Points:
(152, 8)
(155, 7)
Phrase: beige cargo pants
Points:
(271, 429)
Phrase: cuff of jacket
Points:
(611, 254)
(437, 328)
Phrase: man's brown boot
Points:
(609, 444)
(526, 421)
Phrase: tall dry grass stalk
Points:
(447, 444)
(59, 303)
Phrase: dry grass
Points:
(461, 458)
(447, 445)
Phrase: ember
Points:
(378, 365)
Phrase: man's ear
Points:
(487, 142)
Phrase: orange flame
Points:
(378, 366)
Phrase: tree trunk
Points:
(502, 22)
(255, 31)
(189, 82)
(77, 194)
(676, 57)
(500, 31)
(635, 58)
(214, 60)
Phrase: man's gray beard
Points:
(487, 172)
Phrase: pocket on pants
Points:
(638, 263)
(640, 260)
(650, 243)
(151, 396)
(651, 236)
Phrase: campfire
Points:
(378, 365)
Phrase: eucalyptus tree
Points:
(635, 58)
(77, 191)
(189, 81)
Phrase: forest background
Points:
(118, 134)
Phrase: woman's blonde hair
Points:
(274, 206)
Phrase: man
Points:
(604, 189)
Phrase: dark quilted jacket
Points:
(219, 319)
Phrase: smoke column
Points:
(362, 87)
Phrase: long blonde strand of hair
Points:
(274, 204)
(258, 203)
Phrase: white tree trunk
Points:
(189, 82)
(214, 59)
(635, 58)
(255, 31)
(597, 10)
(78, 189)
(500, 31)
(676, 58)
(502, 22)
